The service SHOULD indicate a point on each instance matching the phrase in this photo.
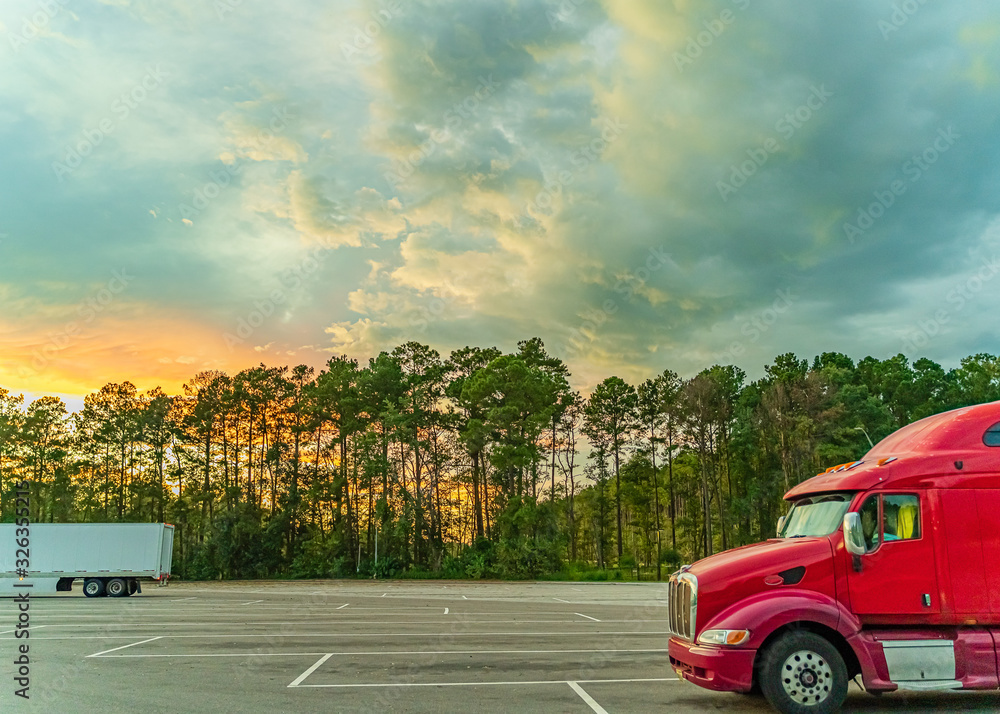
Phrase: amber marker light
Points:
(724, 637)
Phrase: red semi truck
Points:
(887, 567)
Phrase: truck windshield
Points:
(816, 515)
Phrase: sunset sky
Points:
(644, 184)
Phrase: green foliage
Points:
(474, 466)
(319, 557)
(671, 559)
(240, 546)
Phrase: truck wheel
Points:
(802, 673)
(117, 587)
(93, 587)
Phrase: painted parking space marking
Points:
(115, 649)
(587, 698)
(33, 628)
(301, 678)
(313, 623)
(378, 653)
(375, 685)
(587, 616)
(286, 635)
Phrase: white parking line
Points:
(33, 627)
(305, 623)
(276, 635)
(483, 684)
(565, 601)
(260, 612)
(301, 677)
(342, 606)
(181, 599)
(115, 649)
(587, 616)
(587, 698)
(379, 653)
(446, 611)
(252, 602)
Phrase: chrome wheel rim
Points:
(806, 677)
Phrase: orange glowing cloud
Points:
(78, 358)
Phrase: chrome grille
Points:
(682, 604)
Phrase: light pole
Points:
(862, 430)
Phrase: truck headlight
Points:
(724, 637)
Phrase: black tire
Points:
(93, 587)
(117, 587)
(802, 673)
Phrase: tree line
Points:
(481, 464)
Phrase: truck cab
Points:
(887, 568)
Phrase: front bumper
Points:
(724, 669)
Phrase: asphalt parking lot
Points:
(359, 646)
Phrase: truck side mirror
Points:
(854, 539)
(781, 524)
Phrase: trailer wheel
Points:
(802, 673)
(117, 587)
(93, 587)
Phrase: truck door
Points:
(988, 502)
(897, 575)
(968, 544)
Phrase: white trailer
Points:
(110, 558)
